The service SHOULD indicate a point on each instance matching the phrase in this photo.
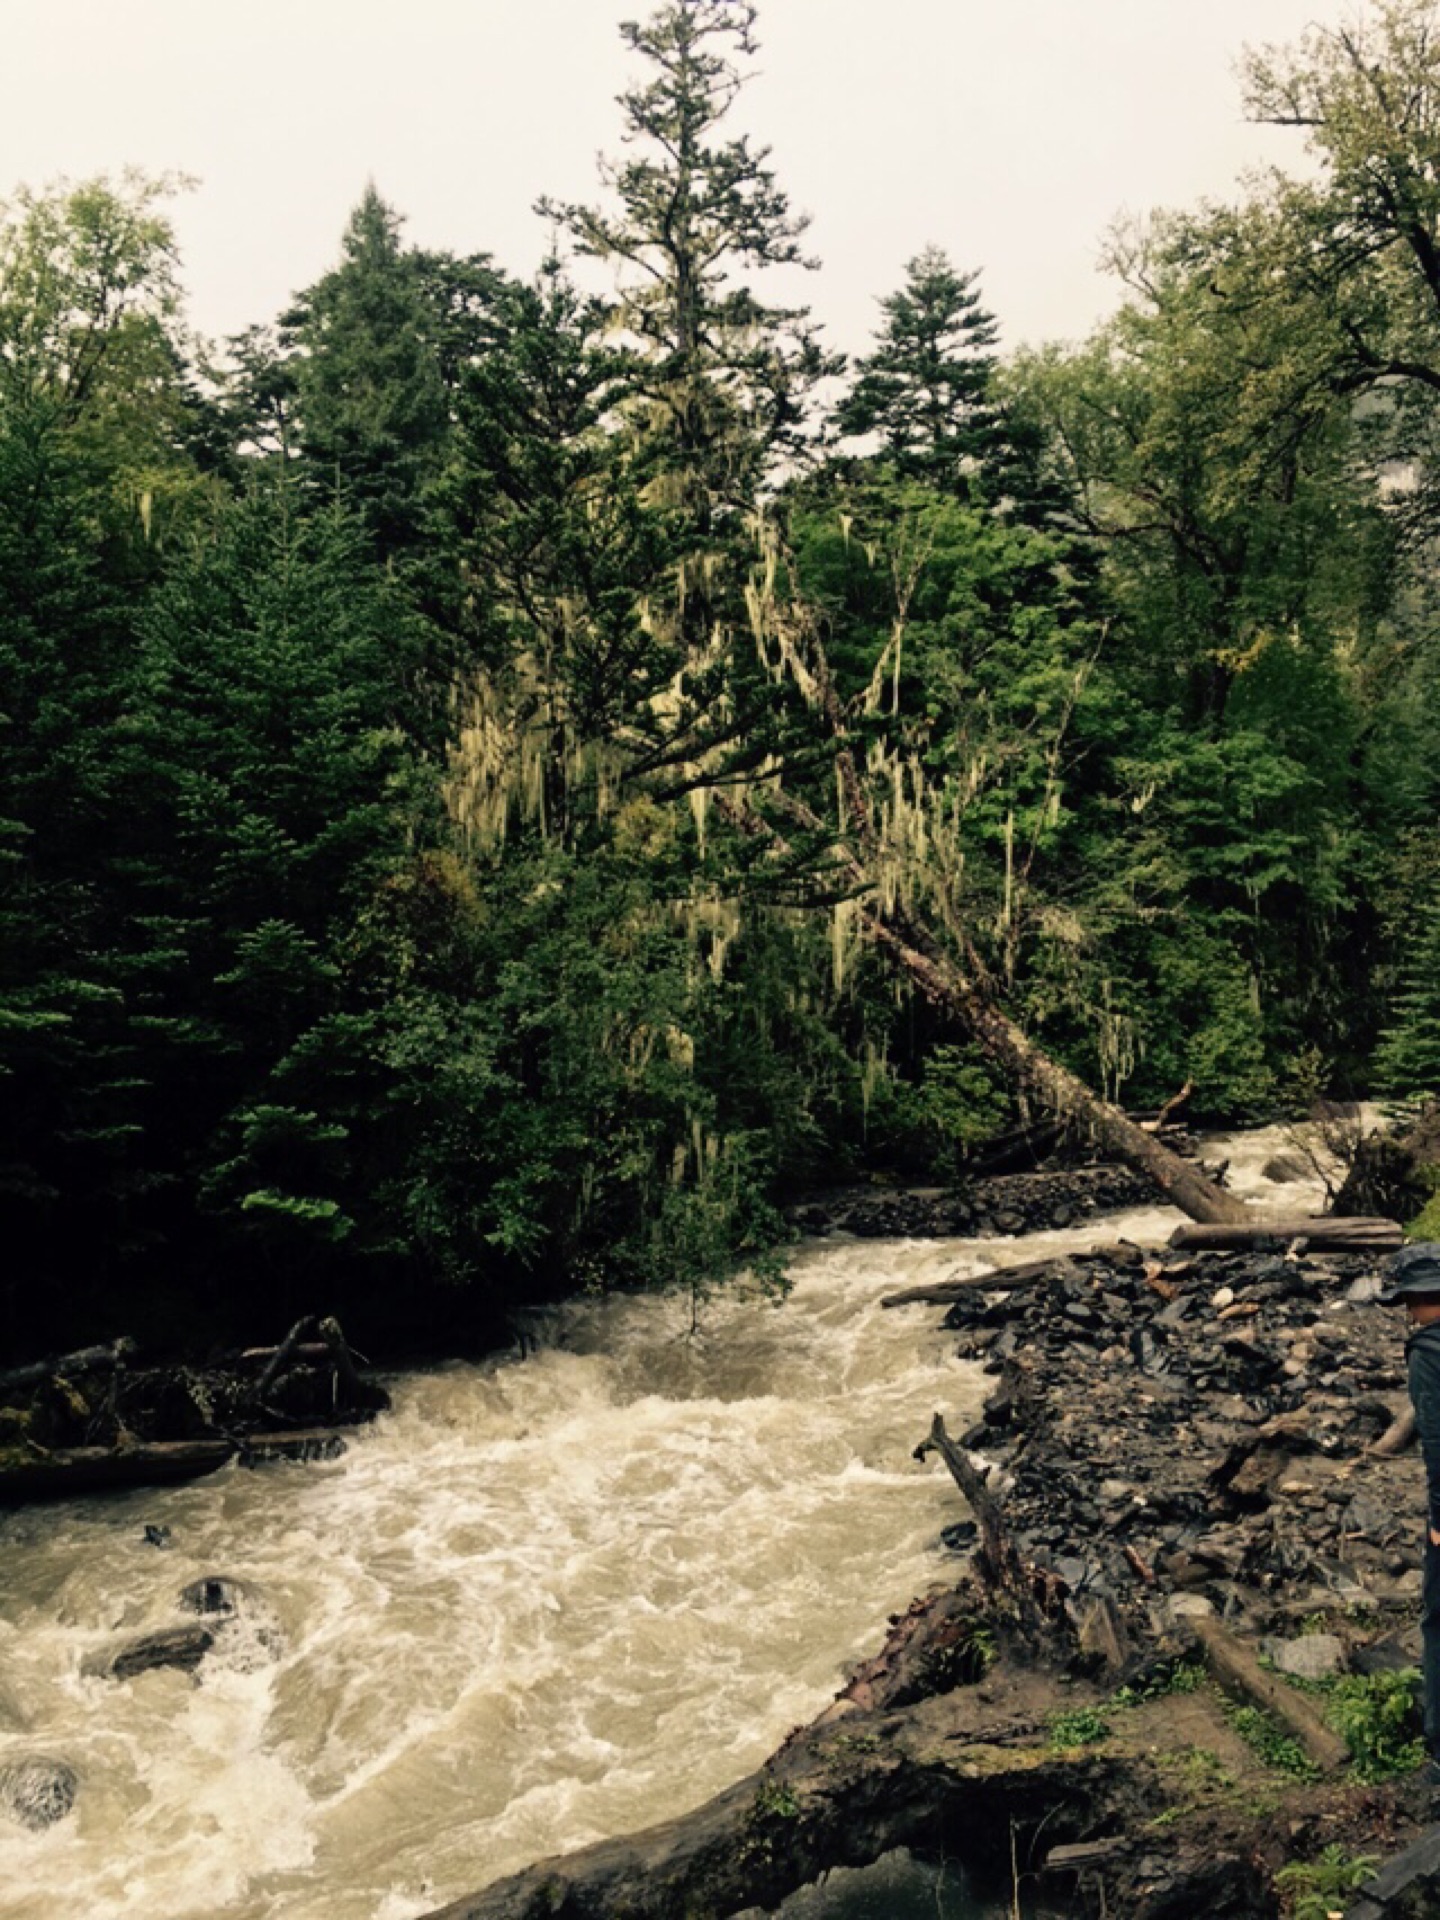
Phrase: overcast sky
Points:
(1009, 132)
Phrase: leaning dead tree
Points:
(878, 862)
(862, 861)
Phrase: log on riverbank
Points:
(73, 1470)
(77, 1470)
(1324, 1234)
(93, 1420)
(66, 1366)
(1009, 1279)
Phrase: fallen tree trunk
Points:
(841, 1794)
(1002, 1279)
(1180, 1182)
(1321, 1235)
(286, 1353)
(350, 1389)
(1239, 1672)
(19, 1380)
(42, 1475)
(51, 1476)
(966, 994)
(997, 1562)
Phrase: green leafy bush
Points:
(1317, 1889)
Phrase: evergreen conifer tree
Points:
(369, 393)
(1407, 1062)
(717, 377)
(925, 390)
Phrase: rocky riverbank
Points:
(1201, 1426)
(1052, 1198)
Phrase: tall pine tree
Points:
(925, 390)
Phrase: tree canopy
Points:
(503, 783)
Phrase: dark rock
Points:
(960, 1536)
(36, 1790)
(1148, 1353)
(212, 1595)
(181, 1647)
(1365, 1514)
(157, 1536)
(1393, 1654)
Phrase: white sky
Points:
(1009, 132)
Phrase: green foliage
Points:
(1179, 1676)
(775, 1800)
(424, 859)
(367, 352)
(1316, 1889)
(1375, 1715)
(925, 389)
(1407, 1061)
(1275, 1748)
(964, 1662)
(1079, 1727)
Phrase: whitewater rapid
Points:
(543, 1601)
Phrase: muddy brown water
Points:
(541, 1602)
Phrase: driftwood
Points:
(351, 1390)
(1171, 1106)
(1084, 1853)
(1396, 1438)
(56, 1475)
(1363, 1234)
(22, 1380)
(311, 1339)
(997, 1562)
(52, 1476)
(1399, 1882)
(1238, 1671)
(1003, 1279)
(310, 1351)
(286, 1353)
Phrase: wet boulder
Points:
(181, 1647)
(214, 1595)
(245, 1626)
(36, 1790)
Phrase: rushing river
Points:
(541, 1602)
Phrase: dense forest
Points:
(466, 748)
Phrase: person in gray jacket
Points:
(1415, 1282)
